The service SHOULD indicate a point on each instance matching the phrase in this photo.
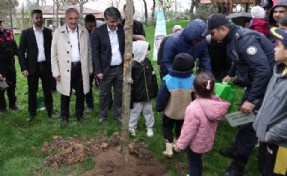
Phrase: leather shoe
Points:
(14, 107)
(52, 115)
(231, 172)
(80, 119)
(30, 118)
(227, 152)
(101, 120)
(64, 121)
(119, 119)
(2, 111)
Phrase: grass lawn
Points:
(20, 142)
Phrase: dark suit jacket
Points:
(101, 47)
(29, 46)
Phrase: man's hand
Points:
(2, 78)
(228, 79)
(100, 76)
(247, 107)
(25, 73)
(58, 78)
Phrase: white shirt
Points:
(116, 53)
(40, 44)
(74, 41)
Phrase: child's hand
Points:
(176, 149)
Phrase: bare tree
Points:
(153, 11)
(194, 4)
(145, 12)
(127, 79)
(81, 4)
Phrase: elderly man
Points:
(8, 49)
(277, 12)
(108, 51)
(253, 56)
(35, 62)
(71, 63)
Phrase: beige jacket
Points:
(60, 59)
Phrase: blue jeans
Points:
(194, 163)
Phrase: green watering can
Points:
(226, 92)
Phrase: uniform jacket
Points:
(200, 123)
(253, 59)
(102, 51)
(180, 43)
(28, 49)
(271, 119)
(8, 49)
(175, 93)
(61, 55)
(144, 87)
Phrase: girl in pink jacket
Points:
(200, 122)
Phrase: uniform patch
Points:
(252, 50)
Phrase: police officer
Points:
(8, 49)
(252, 56)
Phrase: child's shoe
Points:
(149, 132)
(169, 150)
(132, 131)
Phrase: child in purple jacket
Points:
(200, 122)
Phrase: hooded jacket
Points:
(271, 119)
(280, 3)
(180, 43)
(144, 87)
(200, 123)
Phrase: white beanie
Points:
(257, 12)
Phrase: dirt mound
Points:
(106, 155)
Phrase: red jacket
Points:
(260, 25)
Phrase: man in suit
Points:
(71, 63)
(35, 62)
(108, 51)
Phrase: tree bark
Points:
(127, 79)
(192, 5)
(145, 12)
(153, 12)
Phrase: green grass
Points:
(20, 142)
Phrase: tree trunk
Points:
(153, 12)
(127, 79)
(145, 12)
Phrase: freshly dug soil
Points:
(106, 154)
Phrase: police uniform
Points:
(252, 55)
(8, 49)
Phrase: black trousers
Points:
(245, 140)
(168, 125)
(10, 74)
(77, 84)
(89, 96)
(266, 158)
(33, 80)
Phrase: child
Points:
(258, 23)
(174, 96)
(200, 122)
(144, 88)
(270, 124)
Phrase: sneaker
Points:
(149, 132)
(132, 131)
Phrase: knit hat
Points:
(176, 28)
(257, 12)
(183, 62)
